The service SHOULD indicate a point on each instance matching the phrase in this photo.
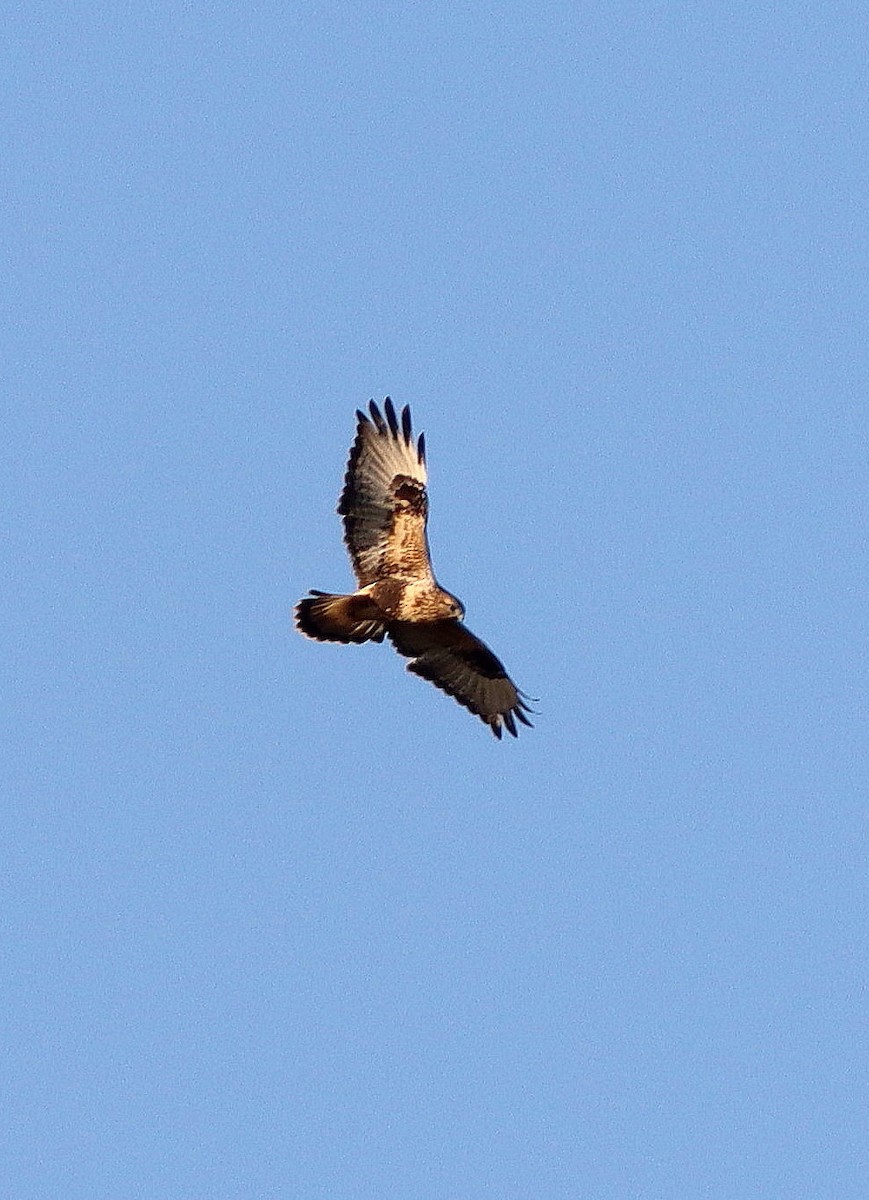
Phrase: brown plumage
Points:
(385, 509)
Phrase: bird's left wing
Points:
(453, 659)
(384, 502)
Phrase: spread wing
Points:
(384, 502)
(453, 659)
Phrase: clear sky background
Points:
(278, 919)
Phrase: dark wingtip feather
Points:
(390, 416)
(420, 447)
(496, 729)
(520, 715)
(376, 416)
(507, 717)
(405, 424)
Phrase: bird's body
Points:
(385, 509)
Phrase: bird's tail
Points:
(329, 618)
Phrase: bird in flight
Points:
(385, 509)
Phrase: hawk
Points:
(385, 509)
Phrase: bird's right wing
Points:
(384, 502)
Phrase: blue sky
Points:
(278, 918)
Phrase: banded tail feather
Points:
(327, 617)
